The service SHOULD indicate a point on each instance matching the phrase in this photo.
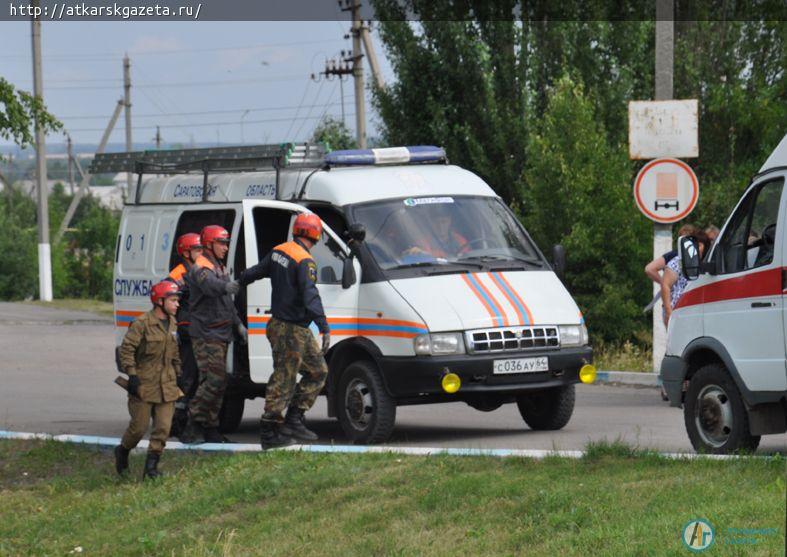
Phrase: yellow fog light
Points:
(587, 373)
(451, 383)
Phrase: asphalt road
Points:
(57, 370)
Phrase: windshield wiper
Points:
(496, 257)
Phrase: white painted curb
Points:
(413, 451)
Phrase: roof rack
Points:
(213, 159)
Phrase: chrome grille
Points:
(512, 339)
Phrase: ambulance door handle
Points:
(268, 311)
(762, 304)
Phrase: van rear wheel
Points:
(367, 412)
(547, 410)
(715, 416)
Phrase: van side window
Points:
(750, 237)
(195, 221)
(326, 253)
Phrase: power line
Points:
(119, 56)
(185, 83)
(195, 113)
(206, 124)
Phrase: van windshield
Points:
(432, 231)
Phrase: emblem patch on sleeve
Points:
(312, 270)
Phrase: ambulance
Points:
(434, 292)
(726, 342)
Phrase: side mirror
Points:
(357, 232)
(348, 273)
(559, 260)
(689, 253)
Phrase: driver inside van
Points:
(442, 241)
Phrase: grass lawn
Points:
(94, 306)
(57, 497)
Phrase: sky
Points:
(196, 80)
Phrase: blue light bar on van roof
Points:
(388, 155)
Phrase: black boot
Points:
(192, 433)
(295, 425)
(121, 459)
(212, 435)
(151, 467)
(271, 436)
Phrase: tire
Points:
(485, 403)
(547, 410)
(231, 413)
(716, 419)
(367, 412)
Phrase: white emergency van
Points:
(726, 363)
(433, 290)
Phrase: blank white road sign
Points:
(666, 190)
(663, 129)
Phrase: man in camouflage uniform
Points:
(189, 247)
(213, 320)
(295, 303)
(149, 355)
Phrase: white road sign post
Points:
(666, 189)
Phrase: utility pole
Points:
(356, 31)
(339, 69)
(70, 153)
(127, 104)
(44, 250)
(157, 139)
(662, 233)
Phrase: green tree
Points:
(579, 194)
(18, 112)
(334, 135)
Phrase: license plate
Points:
(520, 365)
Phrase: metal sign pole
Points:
(662, 233)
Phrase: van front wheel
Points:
(367, 412)
(716, 419)
(549, 410)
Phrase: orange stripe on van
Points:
(480, 298)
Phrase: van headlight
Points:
(439, 343)
(573, 335)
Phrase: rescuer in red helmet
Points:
(295, 303)
(189, 247)
(149, 355)
(213, 320)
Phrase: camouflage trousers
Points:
(294, 351)
(211, 359)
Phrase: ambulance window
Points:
(327, 253)
(271, 227)
(195, 221)
(749, 239)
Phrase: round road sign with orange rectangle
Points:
(666, 190)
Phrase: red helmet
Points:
(214, 233)
(307, 225)
(188, 242)
(162, 290)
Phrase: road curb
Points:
(632, 378)
(538, 454)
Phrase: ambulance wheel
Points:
(549, 410)
(367, 413)
(714, 413)
(231, 413)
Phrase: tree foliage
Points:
(19, 111)
(535, 103)
(334, 134)
(81, 262)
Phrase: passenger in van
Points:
(674, 282)
(712, 232)
(213, 321)
(189, 248)
(149, 355)
(295, 303)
